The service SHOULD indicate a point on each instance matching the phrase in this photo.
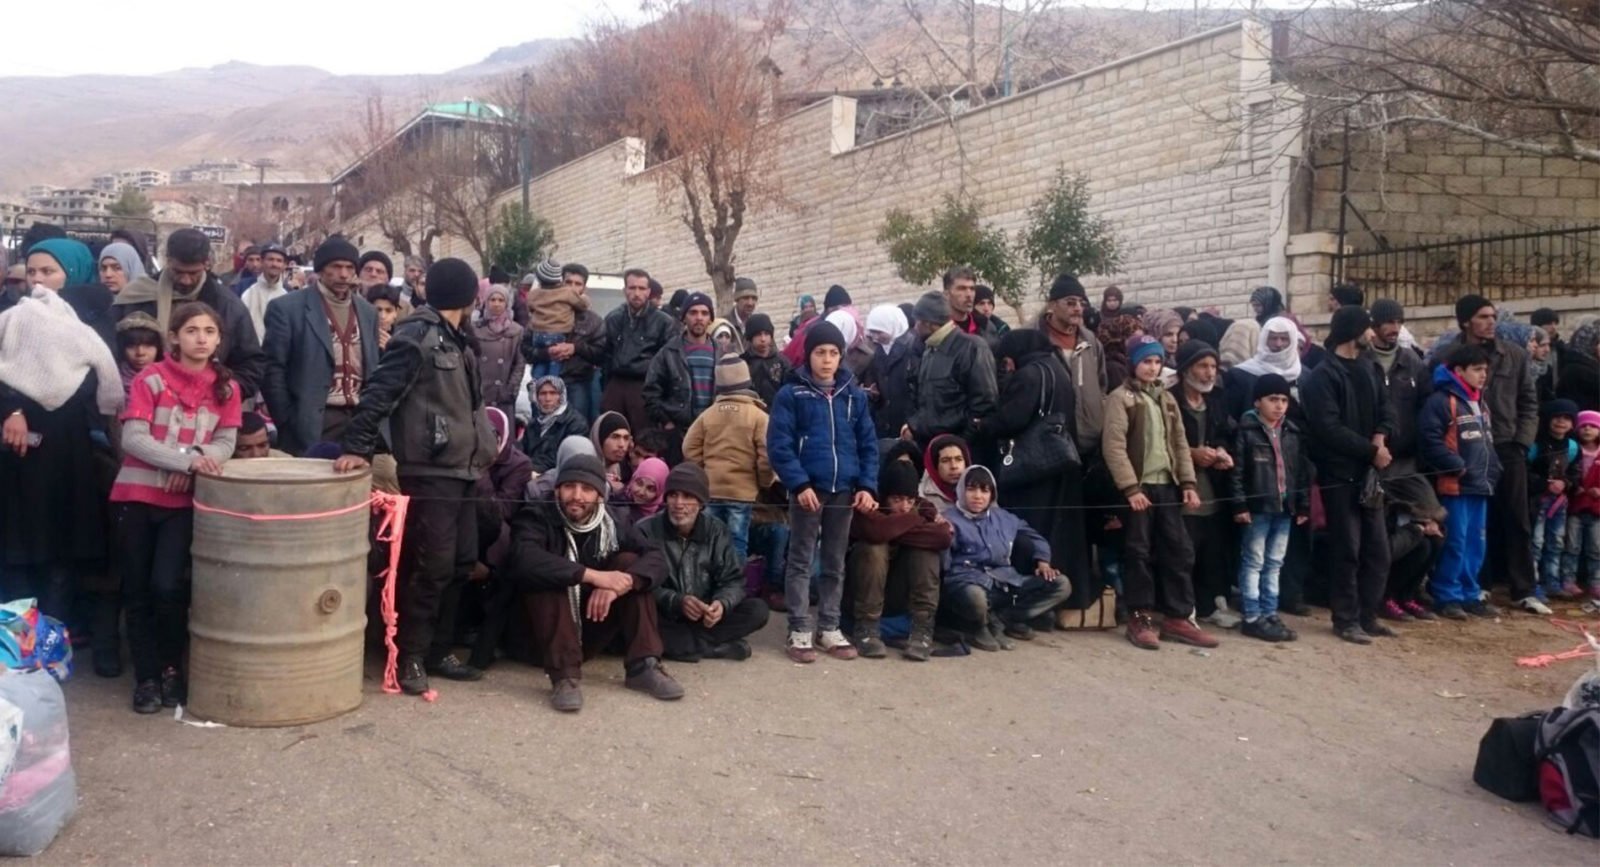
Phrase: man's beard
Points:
(684, 527)
(1194, 384)
(584, 511)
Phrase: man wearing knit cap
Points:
(635, 333)
(985, 307)
(579, 350)
(895, 564)
(961, 293)
(426, 386)
(321, 345)
(587, 576)
(729, 441)
(1407, 385)
(1063, 321)
(1209, 429)
(701, 604)
(373, 269)
(413, 290)
(1348, 425)
(745, 298)
(681, 382)
(768, 367)
(954, 387)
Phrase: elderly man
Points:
(704, 613)
(1062, 321)
(373, 269)
(588, 574)
(321, 347)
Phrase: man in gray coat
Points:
(321, 344)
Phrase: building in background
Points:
(139, 179)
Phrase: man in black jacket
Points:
(187, 277)
(588, 574)
(1348, 426)
(581, 354)
(768, 367)
(671, 393)
(427, 385)
(635, 332)
(954, 384)
(1208, 428)
(961, 293)
(701, 602)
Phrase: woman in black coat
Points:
(1052, 505)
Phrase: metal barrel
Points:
(280, 588)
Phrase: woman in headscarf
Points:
(56, 263)
(1165, 326)
(1578, 379)
(858, 355)
(553, 422)
(1277, 351)
(945, 459)
(1266, 303)
(1114, 331)
(500, 362)
(1051, 504)
(887, 378)
(808, 311)
(646, 491)
(119, 265)
(1238, 343)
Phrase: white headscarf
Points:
(846, 324)
(1286, 362)
(890, 320)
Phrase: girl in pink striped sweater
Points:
(182, 418)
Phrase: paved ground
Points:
(1074, 747)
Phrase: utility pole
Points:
(525, 149)
(261, 166)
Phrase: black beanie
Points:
(823, 332)
(758, 323)
(1192, 351)
(583, 469)
(687, 478)
(897, 479)
(336, 249)
(1467, 306)
(452, 285)
(836, 297)
(931, 308)
(1387, 310)
(1067, 286)
(983, 293)
(1349, 322)
(1269, 384)
(1544, 316)
(698, 299)
(375, 256)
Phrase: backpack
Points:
(1568, 750)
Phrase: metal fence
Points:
(1547, 264)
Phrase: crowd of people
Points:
(658, 480)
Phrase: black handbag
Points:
(1045, 447)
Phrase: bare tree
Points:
(391, 182)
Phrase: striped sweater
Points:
(172, 415)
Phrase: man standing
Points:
(745, 298)
(702, 608)
(985, 307)
(414, 291)
(427, 386)
(584, 349)
(374, 269)
(1512, 400)
(1406, 381)
(1348, 425)
(588, 576)
(635, 332)
(1062, 320)
(269, 287)
(1209, 430)
(681, 382)
(961, 293)
(321, 345)
(954, 384)
(246, 275)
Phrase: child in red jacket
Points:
(1583, 510)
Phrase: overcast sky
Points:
(335, 35)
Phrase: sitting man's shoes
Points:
(868, 644)
(451, 668)
(566, 695)
(1481, 609)
(1378, 630)
(1142, 631)
(736, 650)
(147, 696)
(1183, 631)
(1453, 611)
(983, 639)
(1354, 635)
(412, 676)
(107, 663)
(174, 689)
(653, 679)
(1019, 631)
(1534, 605)
(1265, 629)
(919, 646)
(997, 631)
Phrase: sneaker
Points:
(413, 677)
(799, 648)
(174, 691)
(833, 643)
(1481, 609)
(1019, 631)
(1264, 629)
(1532, 605)
(1354, 635)
(737, 650)
(1289, 634)
(566, 696)
(1223, 617)
(1418, 610)
(652, 678)
(1184, 631)
(983, 639)
(1393, 610)
(147, 696)
(1452, 611)
(1142, 631)
(1378, 630)
(451, 668)
(868, 642)
(920, 645)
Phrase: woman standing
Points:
(500, 362)
(119, 266)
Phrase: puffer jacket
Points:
(633, 341)
(500, 364)
(1123, 442)
(729, 441)
(1270, 474)
(981, 553)
(823, 439)
(427, 385)
(1456, 442)
(1409, 385)
(703, 565)
(1510, 397)
(953, 388)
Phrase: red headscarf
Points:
(930, 460)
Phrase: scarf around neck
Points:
(546, 419)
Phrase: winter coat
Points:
(890, 373)
(588, 339)
(981, 552)
(538, 557)
(1339, 451)
(427, 385)
(1510, 397)
(1581, 503)
(823, 439)
(704, 565)
(669, 388)
(1027, 391)
(983, 328)
(241, 348)
(501, 365)
(1218, 432)
(634, 340)
(1552, 460)
(1090, 379)
(914, 529)
(953, 388)
(1409, 384)
(1122, 444)
(299, 368)
(1259, 469)
(729, 441)
(1457, 443)
(767, 374)
(541, 446)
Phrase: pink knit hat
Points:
(1589, 417)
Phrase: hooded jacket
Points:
(953, 387)
(823, 438)
(240, 349)
(633, 340)
(1458, 443)
(703, 564)
(729, 441)
(981, 552)
(1510, 397)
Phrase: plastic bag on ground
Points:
(41, 793)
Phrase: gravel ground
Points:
(1074, 746)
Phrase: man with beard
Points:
(635, 334)
(374, 269)
(269, 287)
(413, 291)
(745, 299)
(681, 382)
(1209, 430)
(588, 576)
(961, 293)
(321, 346)
(1063, 321)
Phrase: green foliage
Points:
(132, 203)
(953, 235)
(519, 241)
(1063, 236)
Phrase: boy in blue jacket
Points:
(824, 448)
(1457, 445)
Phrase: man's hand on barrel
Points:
(349, 464)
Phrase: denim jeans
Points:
(583, 399)
(1549, 544)
(832, 526)
(1583, 541)
(546, 338)
(771, 541)
(1262, 547)
(737, 517)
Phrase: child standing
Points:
(138, 346)
(729, 441)
(1271, 492)
(1583, 513)
(824, 448)
(182, 418)
(552, 316)
(1552, 482)
(1456, 443)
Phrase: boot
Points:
(867, 641)
(920, 645)
(1183, 630)
(413, 677)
